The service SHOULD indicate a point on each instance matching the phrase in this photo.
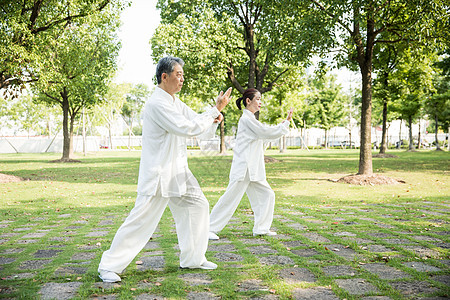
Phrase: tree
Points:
(28, 116)
(385, 60)
(248, 44)
(438, 103)
(24, 25)
(327, 102)
(134, 101)
(288, 92)
(78, 65)
(107, 111)
(360, 24)
(413, 80)
(251, 42)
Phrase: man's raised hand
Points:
(289, 117)
(223, 99)
(218, 119)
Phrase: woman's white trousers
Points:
(262, 201)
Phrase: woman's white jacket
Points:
(249, 148)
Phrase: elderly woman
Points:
(248, 172)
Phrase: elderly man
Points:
(164, 177)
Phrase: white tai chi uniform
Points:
(164, 178)
(248, 174)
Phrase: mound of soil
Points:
(369, 180)
(10, 178)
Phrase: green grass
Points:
(103, 187)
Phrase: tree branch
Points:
(234, 81)
(66, 19)
(34, 13)
(262, 74)
(54, 98)
(333, 16)
(270, 85)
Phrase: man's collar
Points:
(165, 94)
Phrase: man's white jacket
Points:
(249, 148)
(167, 123)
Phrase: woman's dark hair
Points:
(248, 93)
(166, 65)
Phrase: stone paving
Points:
(330, 255)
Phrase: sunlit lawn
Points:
(104, 184)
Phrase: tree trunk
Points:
(250, 48)
(110, 135)
(419, 138)
(281, 147)
(365, 151)
(130, 131)
(411, 142)
(66, 133)
(84, 133)
(383, 145)
(72, 122)
(223, 148)
(49, 129)
(350, 139)
(436, 127)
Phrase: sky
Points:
(139, 22)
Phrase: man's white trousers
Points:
(262, 201)
(191, 214)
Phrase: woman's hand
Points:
(289, 116)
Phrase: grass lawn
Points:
(76, 208)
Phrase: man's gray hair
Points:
(166, 65)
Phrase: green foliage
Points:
(363, 24)
(110, 108)
(204, 44)
(76, 65)
(289, 91)
(27, 25)
(437, 105)
(134, 101)
(81, 61)
(23, 114)
(412, 82)
(386, 59)
(250, 43)
(326, 102)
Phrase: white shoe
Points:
(213, 236)
(108, 276)
(270, 233)
(207, 265)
